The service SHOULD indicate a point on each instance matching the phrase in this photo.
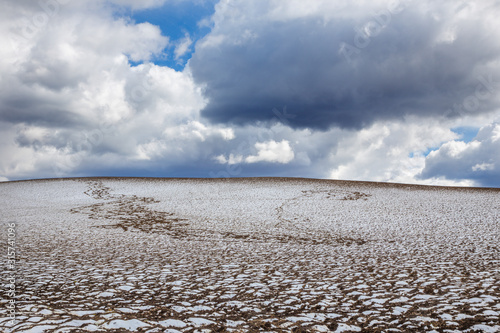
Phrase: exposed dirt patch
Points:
(129, 212)
(356, 196)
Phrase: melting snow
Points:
(132, 324)
(269, 255)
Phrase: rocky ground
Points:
(251, 255)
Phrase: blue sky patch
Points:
(467, 133)
(175, 21)
(422, 153)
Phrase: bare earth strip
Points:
(251, 255)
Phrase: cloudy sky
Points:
(399, 91)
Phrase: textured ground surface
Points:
(276, 255)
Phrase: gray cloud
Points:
(38, 110)
(419, 62)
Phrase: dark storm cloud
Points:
(331, 74)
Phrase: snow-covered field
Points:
(248, 255)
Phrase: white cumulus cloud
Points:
(478, 160)
(272, 151)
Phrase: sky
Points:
(399, 91)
